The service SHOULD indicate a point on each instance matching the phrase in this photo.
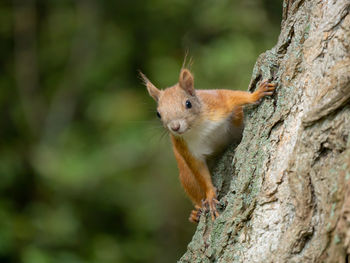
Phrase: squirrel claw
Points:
(210, 205)
(195, 214)
(266, 88)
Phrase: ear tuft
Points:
(186, 81)
(152, 90)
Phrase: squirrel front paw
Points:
(265, 89)
(195, 214)
(209, 204)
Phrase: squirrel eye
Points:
(158, 115)
(188, 104)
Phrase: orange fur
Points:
(211, 113)
(194, 173)
(221, 103)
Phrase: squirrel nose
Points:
(175, 127)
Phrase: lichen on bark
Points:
(285, 189)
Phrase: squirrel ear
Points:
(152, 90)
(186, 81)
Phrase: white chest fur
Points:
(209, 137)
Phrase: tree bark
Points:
(285, 190)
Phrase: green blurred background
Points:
(85, 173)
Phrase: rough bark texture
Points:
(285, 190)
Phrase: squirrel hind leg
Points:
(237, 117)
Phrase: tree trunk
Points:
(285, 190)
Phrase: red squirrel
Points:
(201, 123)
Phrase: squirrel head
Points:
(178, 106)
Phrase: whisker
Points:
(157, 136)
(142, 121)
(165, 132)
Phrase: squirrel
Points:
(201, 123)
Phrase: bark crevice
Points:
(285, 189)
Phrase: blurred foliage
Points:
(86, 173)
